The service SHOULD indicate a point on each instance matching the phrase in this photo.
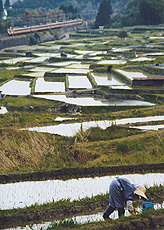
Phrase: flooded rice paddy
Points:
(13, 61)
(64, 63)
(69, 70)
(106, 79)
(83, 219)
(149, 127)
(90, 101)
(22, 194)
(143, 59)
(132, 75)
(73, 128)
(3, 110)
(43, 86)
(79, 82)
(15, 87)
(112, 62)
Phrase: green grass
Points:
(95, 147)
(6, 75)
(26, 101)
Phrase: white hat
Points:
(141, 192)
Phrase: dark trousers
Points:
(110, 209)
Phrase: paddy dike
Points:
(70, 173)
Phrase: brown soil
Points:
(70, 173)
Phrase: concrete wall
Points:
(24, 39)
(13, 41)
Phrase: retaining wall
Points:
(13, 41)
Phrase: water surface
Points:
(69, 70)
(106, 79)
(15, 87)
(132, 75)
(84, 219)
(79, 82)
(90, 101)
(111, 62)
(3, 110)
(73, 128)
(19, 195)
(43, 86)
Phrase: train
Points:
(38, 28)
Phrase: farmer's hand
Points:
(133, 212)
(130, 207)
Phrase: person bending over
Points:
(123, 192)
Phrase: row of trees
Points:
(146, 12)
(108, 13)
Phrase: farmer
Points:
(122, 191)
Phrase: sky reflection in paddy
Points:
(73, 128)
(80, 82)
(132, 75)
(43, 86)
(106, 79)
(15, 87)
(89, 101)
(19, 195)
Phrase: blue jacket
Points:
(120, 191)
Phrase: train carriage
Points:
(24, 30)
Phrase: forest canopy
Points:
(108, 13)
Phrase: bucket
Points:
(147, 205)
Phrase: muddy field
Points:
(81, 172)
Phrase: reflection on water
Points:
(90, 101)
(143, 59)
(3, 110)
(67, 70)
(149, 127)
(111, 62)
(19, 195)
(73, 128)
(83, 52)
(82, 219)
(15, 87)
(106, 79)
(132, 75)
(63, 63)
(13, 61)
(43, 86)
(79, 82)
(79, 66)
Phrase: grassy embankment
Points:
(7, 75)
(23, 151)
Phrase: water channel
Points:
(73, 128)
(27, 193)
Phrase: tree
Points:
(1, 9)
(122, 34)
(7, 5)
(103, 17)
(149, 14)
